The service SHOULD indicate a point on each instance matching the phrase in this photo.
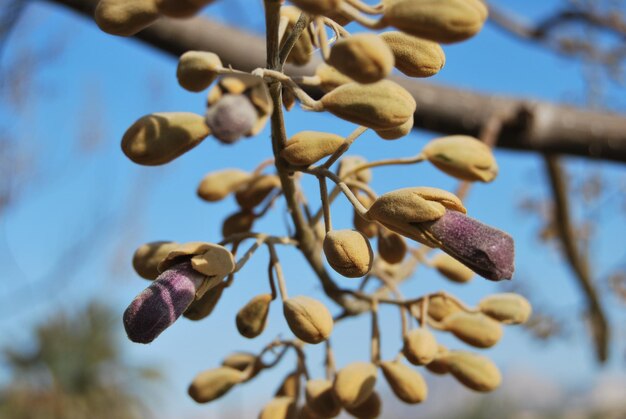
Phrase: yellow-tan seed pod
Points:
(148, 256)
(462, 157)
(125, 18)
(213, 384)
(280, 408)
(348, 163)
(420, 346)
(439, 365)
(216, 186)
(397, 132)
(181, 8)
(451, 268)
(354, 383)
(320, 398)
(307, 147)
(290, 386)
(391, 246)
(414, 56)
(330, 78)
(475, 371)
(475, 329)
(204, 306)
(303, 49)
(317, 7)
(407, 384)
(197, 70)
(239, 222)
(252, 317)
(365, 58)
(382, 105)
(369, 409)
(348, 252)
(507, 308)
(308, 319)
(444, 21)
(159, 138)
(256, 190)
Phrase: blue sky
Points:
(98, 85)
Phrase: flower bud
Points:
(308, 319)
(252, 318)
(463, 157)
(242, 361)
(475, 371)
(391, 246)
(380, 106)
(239, 222)
(305, 412)
(218, 185)
(507, 308)
(209, 259)
(330, 78)
(213, 384)
(232, 117)
(256, 190)
(159, 138)
(475, 329)
(158, 306)
(420, 346)
(290, 386)
(303, 49)
(440, 307)
(348, 252)
(451, 268)
(125, 18)
(444, 21)
(355, 383)
(407, 384)
(148, 256)
(279, 408)
(197, 70)
(320, 398)
(348, 163)
(439, 365)
(415, 57)
(365, 58)
(308, 147)
(397, 132)
(369, 409)
(204, 306)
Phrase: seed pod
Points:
(365, 58)
(279, 408)
(197, 70)
(232, 117)
(125, 18)
(475, 329)
(354, 383)
(397, 132)
(252, 318)
(218, 185)
(463, 157)
(451, 268)
(256, 190)
(380, 106)
(439, 365)
(239, 222)
(159, 138)
(204, 306)
(415, 57)
(406, 383)
(348, 252)
(308, 319)
(307, 147)
(350, 162)
(213, 384)
(507, 308)
(420, 346)
(320, 398)
(148, 256)
(369, 409)
(317, 7)
(303, 49)
(290, 386)
(444, 21)
(475, 371)
(391, 246)
(330, 78)
(440, 307)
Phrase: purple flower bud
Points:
(232, 117)
(486, 250)
(158, 306)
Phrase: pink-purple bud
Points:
(486, 250)
(158, 306)
(232, 117)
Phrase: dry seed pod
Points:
(369, 409)
(439, 365)
(397, 132)
(307, 147)
(444, 21)
(204, 306)
(213, 384)
(159, 138)
(365, 58)
(218, 185)
(474, 371)
(507, 308)
(317, 7)
(232, 117)
(330, 78)
(348, 252)
(256, 190)
(407, 384)
(197, 70)
(415, 57)
(125, 18)
(350, 162)
(391, 246)
(382, 105)
(303, 49)
(354, 383)
(463, 157)
(440, 307)
(290, 386)
(280, 408)
(239, 222)
(252, 317)
(451, 268)
(320, 398)
(308, 319)
(420, 346)
(475, 329)
(148, 256)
